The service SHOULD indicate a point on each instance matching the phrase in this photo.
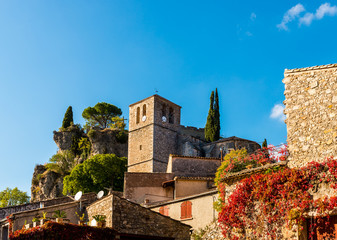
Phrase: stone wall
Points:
(193, 131)
(203, 212)
(139, 187)
(131, 218)
(213, 149)
(311, 111)
(165, 143)
(151, 137)
(193, 166)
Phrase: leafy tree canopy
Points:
(62, 162)
(101, 114)
(68, 118)
(98, 172)
(12, 197)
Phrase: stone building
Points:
(170, 165)
(132, 219)
(155, 133)
(311, 110)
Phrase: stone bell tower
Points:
(153, 133)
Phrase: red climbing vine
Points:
(263, 204)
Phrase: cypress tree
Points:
(264, 144)
(68, 118)
(216, 116)
(209, 128)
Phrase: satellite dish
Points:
(100, 194)
(78, 195)
(143, 118)
(163, 118)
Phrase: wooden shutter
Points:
(188, 209)
(183, 210)
(166, 211)
(161, 210)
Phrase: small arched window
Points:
(163, 110)
(186, 210)
(138, 115)
(144, 110)
(171, 116)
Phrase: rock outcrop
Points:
(63, 139)
(108, 141)
(45, 184)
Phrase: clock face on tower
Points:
(163, 118)
(144, 118)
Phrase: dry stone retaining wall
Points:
(311, 111)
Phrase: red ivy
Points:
(55, 231)
(263, 203)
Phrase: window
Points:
(164, 210)
(144, 110)
(171, 118)
(140, 147)
(186, 210)
(138, 115)
(163, 110)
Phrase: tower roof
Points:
(155, 96)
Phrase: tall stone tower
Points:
(153, 134)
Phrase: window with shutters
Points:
(186, 210)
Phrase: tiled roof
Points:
(310, 68)
(233, 177)
(181, 156)
(195, 178)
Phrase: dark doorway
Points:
(325, 228)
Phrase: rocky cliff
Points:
(47, 184)
(108, 141)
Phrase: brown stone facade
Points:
(140, 187)
(153, 126)
(130, 218)
(311, 111)
(193, 166)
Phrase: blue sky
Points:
(59, 53)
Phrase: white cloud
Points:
(307, 19)
(252, 16)
(277, 112)
(290, 15)
(325, 9)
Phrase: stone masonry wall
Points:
(311, 111)
(132, 218)
(101, 207)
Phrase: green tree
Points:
(98, 172)
(264, 144)
(100, 115)
(68, 118)
(216, 116)
(62, 163)
(12, 197)
(210, 124)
